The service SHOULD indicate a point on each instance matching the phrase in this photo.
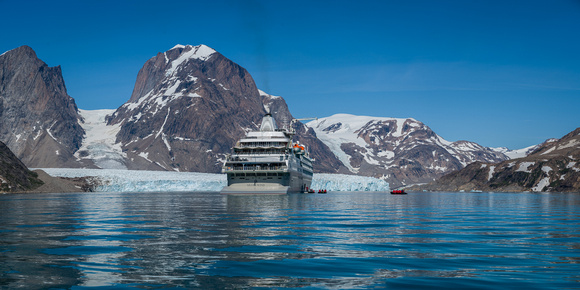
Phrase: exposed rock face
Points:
(554, 166)
(400, 151)
(14, 176)
(38, 119)
(325, 160)
(188, 108)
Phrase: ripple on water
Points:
(338, 240)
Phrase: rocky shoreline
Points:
(59, 184)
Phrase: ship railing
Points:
(254, 168)
(241, 156)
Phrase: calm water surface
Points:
(338, 240)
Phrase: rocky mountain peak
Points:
(189, 106)
(39, 121)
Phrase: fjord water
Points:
(336, 240)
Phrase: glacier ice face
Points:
(342, 182)
(114, 180)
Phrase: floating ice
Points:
(114, 180)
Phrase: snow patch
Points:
(524, 167)
(386, 154)
(164, 121)
(490, 173)
(571, 143)
(171, 90)
(549, 150)
(200, 52)
(145, 155)
(546, 169)
(264, 94)
(543, 183)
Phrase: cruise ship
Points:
(268, 162)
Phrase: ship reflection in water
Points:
(338, 240)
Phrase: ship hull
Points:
(251, 182)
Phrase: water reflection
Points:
(338, 240)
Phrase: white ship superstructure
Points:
(268, 162)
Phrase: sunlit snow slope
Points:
(99, 142)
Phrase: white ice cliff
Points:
(113, 180)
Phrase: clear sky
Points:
(499, 73)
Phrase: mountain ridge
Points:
(188, 107)
(553, 166)
(402, 151)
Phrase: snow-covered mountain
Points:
(400, 151)
(189, 106)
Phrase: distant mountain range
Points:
(402, 151)
(552, 166)
(189, 106)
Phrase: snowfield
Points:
(115, 180)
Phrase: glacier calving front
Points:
(112, 180)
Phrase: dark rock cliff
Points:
(14, 176)
(39, 121)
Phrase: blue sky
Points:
(499, 73)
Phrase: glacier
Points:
(118, 180)
(343, 182)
